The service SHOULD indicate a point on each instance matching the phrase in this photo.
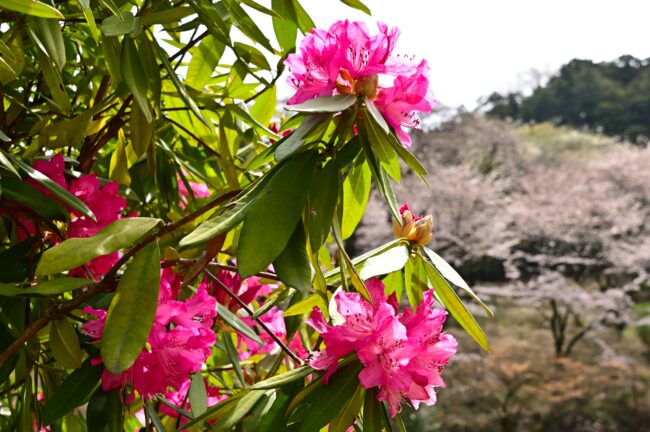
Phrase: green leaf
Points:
(415, 281)
(346, 417)
(305, 23)
(119, 166)
(65, 344)
(240, 409)
(52, 77)
(74, 252)
(258, 7)
(50, 35)
(74, 391)
(104, 412)
(66, 197)
(228, 219)
(111, 49)
(180, 87)
(213, 18)
(381, 180)
(251, 55)
(325, 104)
(44, 288)
(357, 4)
(410, 160)
(205, 58)
(155, 420)
(451, 275)
(90, 19)
(380, 144)
(356, 191)
(246, 24)
(282, 379)
(324, 404)
(305, 306)
(31, 197)
(151, 68)
(285, 26)
(26, 421)
(273, 215)
(166, 16)
(372, 416)
(387, 262)
(141, 131)
(273, 419)
(216, 411)
(291, 143)
(265, 106)
(135, 76)
(376, 115)
(292, 265)
(31, 7)
(394, 282)
(118, 26)
(233, 356)
(322, 203)
(132, 311)
(233, 321)
(4, 160)
(359, 260)
(452, 303)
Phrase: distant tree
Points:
(609, 97)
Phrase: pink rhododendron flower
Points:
(180, 399)
(408, 95)
(247, 290)
(363, 55)
(104, 202)
(180, 340)
(274, 320)
(347, 59)
(402, 354)
(315, 67)
(198, 190)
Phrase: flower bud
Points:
(415, 228)
(367, 86)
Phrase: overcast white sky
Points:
(477, 46)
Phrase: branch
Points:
(109, 281)
(199, 140)
(248, 310)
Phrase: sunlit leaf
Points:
(452, 303)
(77, 251)
(325, 104)
(273, 215)
(135, 76)
(31, 7)
(236, 323)
(453, 277)
(132, 311)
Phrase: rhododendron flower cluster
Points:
(403, 354)
(346, 59)
(180, 340)
(104, 202)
